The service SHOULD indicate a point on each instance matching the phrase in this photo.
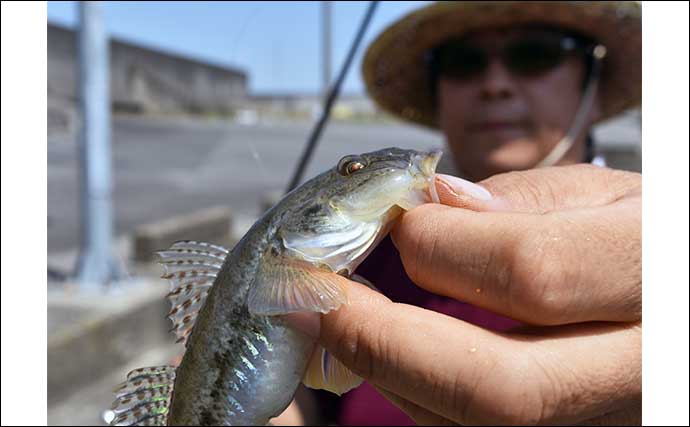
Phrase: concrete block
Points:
(94, 333)
(209, 225)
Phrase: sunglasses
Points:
(526, 57)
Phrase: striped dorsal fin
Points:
(191, 268)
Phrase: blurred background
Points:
(207, 110)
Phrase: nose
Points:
(497, 82)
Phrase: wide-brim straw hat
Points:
(396, 70)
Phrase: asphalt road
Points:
(165, 167)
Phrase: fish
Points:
(243, 360)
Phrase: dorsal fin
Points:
(187, 250)
(190, 267)
(144, 398)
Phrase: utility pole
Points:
(97, 266)
(326, 7)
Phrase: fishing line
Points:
(330, 100)
(233, 55)
(240, 33)
(257, 160)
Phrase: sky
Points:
(278, 44)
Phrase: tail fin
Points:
(144, 398)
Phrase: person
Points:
(518, 299)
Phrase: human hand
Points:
(559, 248)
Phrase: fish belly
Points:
(245, 379)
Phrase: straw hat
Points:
(397, 75)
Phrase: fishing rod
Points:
(330, 100)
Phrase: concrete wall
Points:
(142, 80)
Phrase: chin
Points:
(498, 155)
(507, 165)
(489, 166)
(513, 155)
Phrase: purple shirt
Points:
(384, 269)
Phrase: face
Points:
(499, 118)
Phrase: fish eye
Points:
(349, 165)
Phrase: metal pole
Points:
(96, 266)
(326, 47)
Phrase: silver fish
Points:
(243, 362)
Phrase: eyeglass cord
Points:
(586, 103)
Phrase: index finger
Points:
(557, 268)
(539, 190)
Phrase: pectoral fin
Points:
(287, 285)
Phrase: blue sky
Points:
(276, 43)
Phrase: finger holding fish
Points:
(532, 255)
(539, 191)
(470, 375)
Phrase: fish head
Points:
(337, 218)
(368, 185)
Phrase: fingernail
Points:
(461, 186)
(306, 322)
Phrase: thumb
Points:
(539, 190)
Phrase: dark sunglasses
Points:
(527, 57)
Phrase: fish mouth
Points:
(426, 162)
